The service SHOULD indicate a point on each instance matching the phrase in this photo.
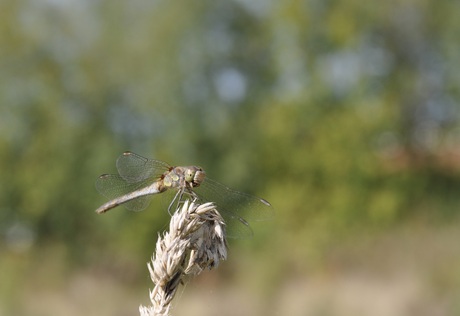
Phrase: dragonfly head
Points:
(195, 176)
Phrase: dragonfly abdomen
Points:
(154, 188)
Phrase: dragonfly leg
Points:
(174, 200)
(178, 199)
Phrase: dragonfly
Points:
(140, 178)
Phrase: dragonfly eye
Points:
(199, 177)
(189, 175)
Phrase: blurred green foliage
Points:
(343, 114)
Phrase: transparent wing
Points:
(236, 207)
(113, 186)
(134, 168)
(237, 227)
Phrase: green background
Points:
(343, 114)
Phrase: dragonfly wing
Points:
(134, 168)
(241, 204)
(235, 207)
(113, 186)
(236, 227)
(139, 203)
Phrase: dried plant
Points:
(196, 240)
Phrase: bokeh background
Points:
(344, 114)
